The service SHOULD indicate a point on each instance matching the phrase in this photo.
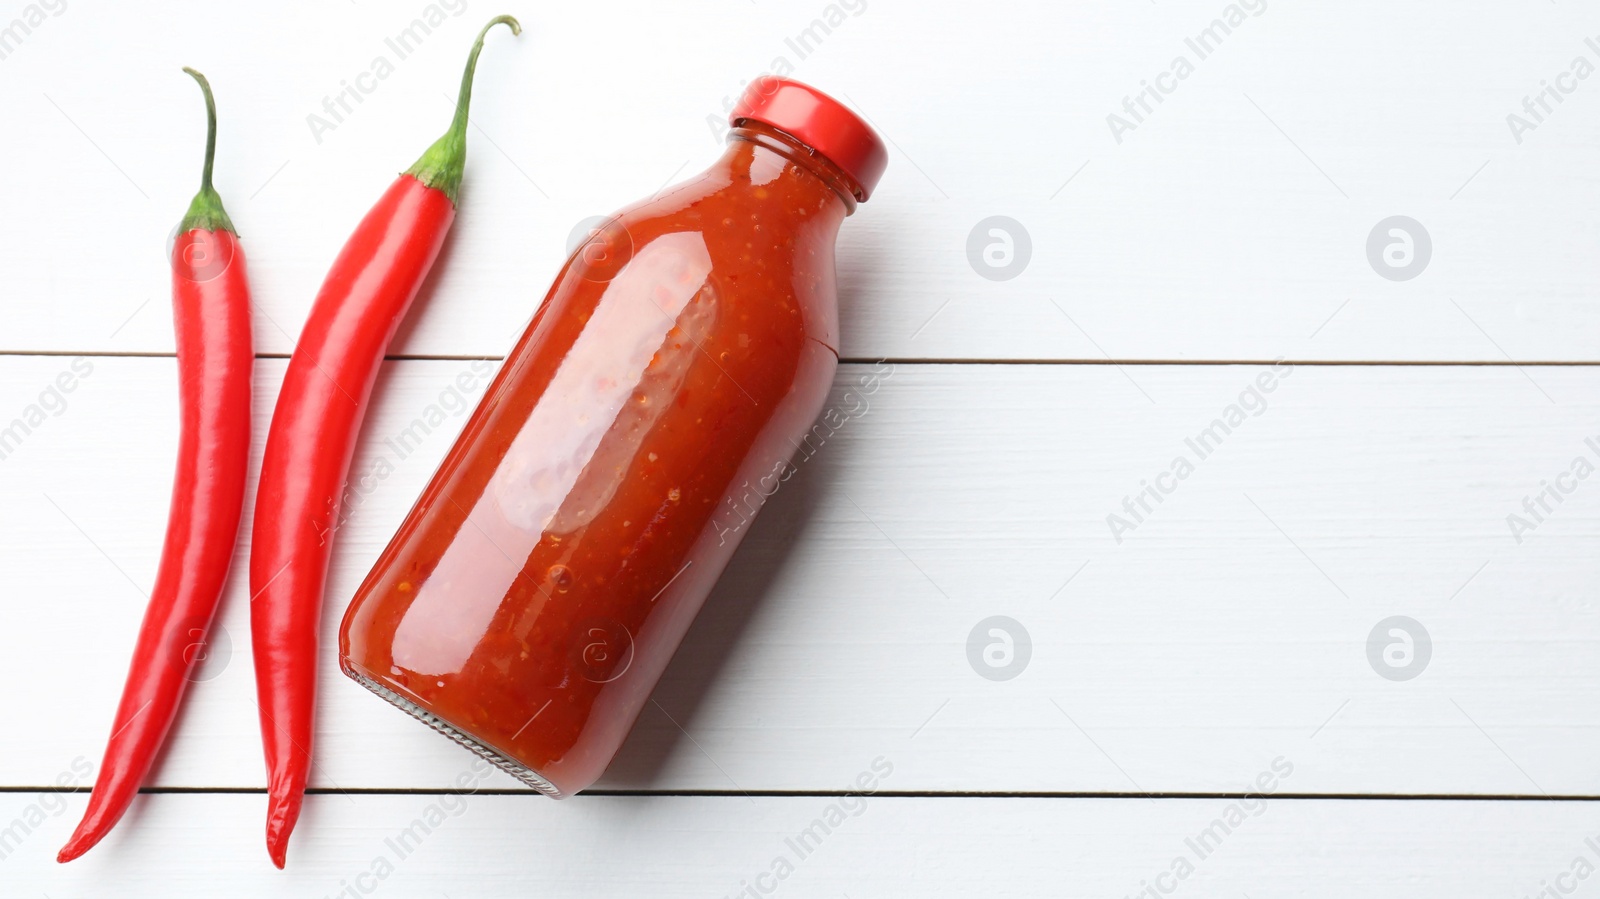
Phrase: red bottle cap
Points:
(818, 121)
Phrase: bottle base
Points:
(493, 756)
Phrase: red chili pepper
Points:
(211, 310)
(313, 435)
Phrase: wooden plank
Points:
(877, 846)
(1231, 224)
(1232, 622)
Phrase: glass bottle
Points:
(537, 590)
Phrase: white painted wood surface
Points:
(709, 847)
(1229, 627)
(1207, 233)
(957, 493)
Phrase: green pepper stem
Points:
(205, 211)
(444, 163)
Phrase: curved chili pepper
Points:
(313, 436)
(211, 311)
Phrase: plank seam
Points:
(830, 794)
(932, 361)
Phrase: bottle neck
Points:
(804, 158)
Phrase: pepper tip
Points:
(75, 847)
(282, 814)
(278, 848)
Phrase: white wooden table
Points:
(1181, 661)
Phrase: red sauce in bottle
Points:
(535, 593)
